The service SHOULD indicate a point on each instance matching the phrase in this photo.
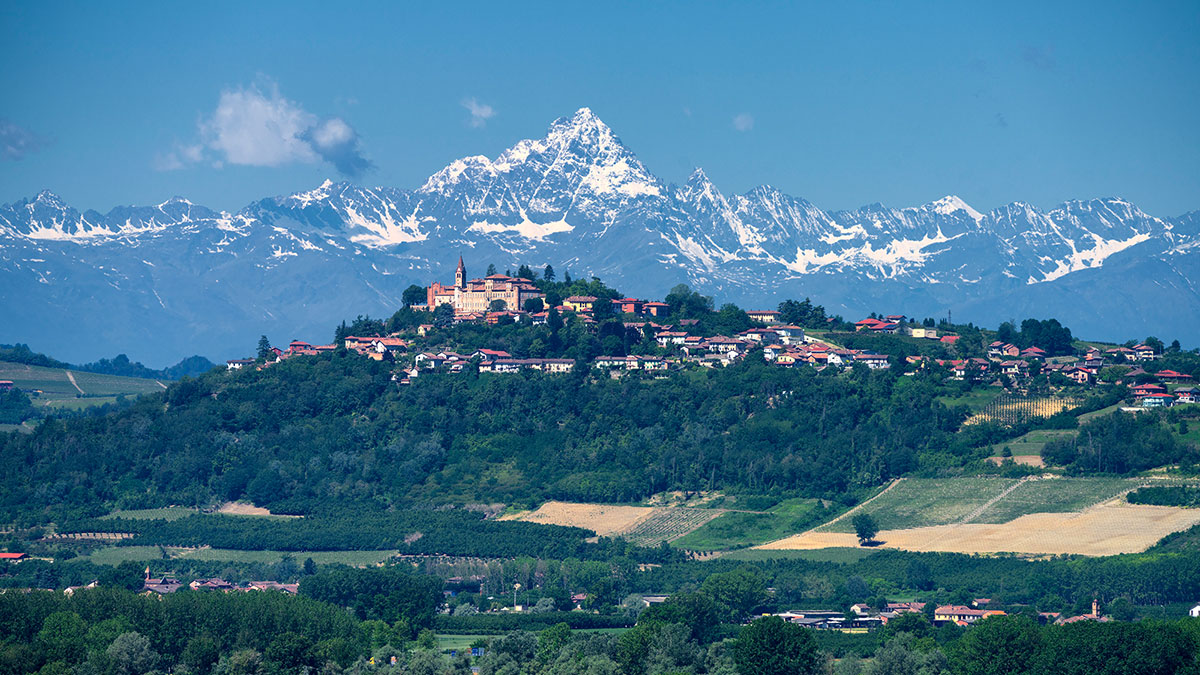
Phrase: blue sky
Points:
(841, 103)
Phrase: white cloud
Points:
(480, 112)
(257, 129)
(252, 127)
(743, 122)
(16, 141)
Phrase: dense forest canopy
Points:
(336, 427)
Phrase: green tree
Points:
(737, 591)
(131, 654)
(264, 348)
(414, 295)
(548, 273)
(772, 646)
(63, 637)
(497, 305)
(1001, 645)
(553, 639)
(533, 305)
(491, 269)
(443, 315)
(865, 528)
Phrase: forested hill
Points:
(118, 365)
(336, 428)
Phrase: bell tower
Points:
(460, 274)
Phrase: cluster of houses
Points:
(864, 617)
(164, 585)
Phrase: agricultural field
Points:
(74, 390)
(1009, 409)
(644, 525)
(920, 502)
(976, 399)
(669, 524)
(603, 519)
(1110, 528)
(739, 529)
(1031, 444)
(1055, 495)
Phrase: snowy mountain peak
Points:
(951, 204)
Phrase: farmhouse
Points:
(962, 615)
(6, 385)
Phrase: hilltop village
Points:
(660, 338)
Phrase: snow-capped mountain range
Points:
(160, 282)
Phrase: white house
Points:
(1194, 612)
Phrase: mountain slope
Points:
(161, 281)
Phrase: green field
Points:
(58, 391)
(1054, 495)
(115, 555)
(919, 502)
(739, 529)
(1032, 442)
(976, 399)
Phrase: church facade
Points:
(477, 295)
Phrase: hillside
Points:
(54, 390)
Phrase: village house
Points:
(581, 304)
(160, 585)
(670, 337)
(1147, 389)
(759, 335)
(767, 316)
(1158, 401)
(6, 385)
(725, 345)
(999, 350)
(962, 615)
(213, 584)
(1194, 612)
(628, 306)
(656, 309)
(489, 354)
(873, 361)
(290, 589)
(789, 334)
(1173, 376)
(1014, 368)
(477, 295)
(1144, 352)
(1036, 353)
(1187, 395)
(1079, 375)
(921, 332)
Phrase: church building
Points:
(477, 295)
